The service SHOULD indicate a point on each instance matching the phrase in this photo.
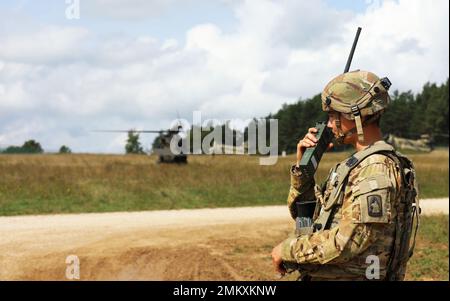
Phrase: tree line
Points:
(31, 147)
(408, 115)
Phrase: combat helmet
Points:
(355, 95)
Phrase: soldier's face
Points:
(332, 117)
(346, 125)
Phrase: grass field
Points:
(430, 259)
(38, 184)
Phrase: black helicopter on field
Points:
(161, 146)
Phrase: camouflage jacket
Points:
(358, 229)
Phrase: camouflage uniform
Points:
(375, 202)
(357, 231)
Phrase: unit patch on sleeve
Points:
(374, 205)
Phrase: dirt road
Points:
(201, 244)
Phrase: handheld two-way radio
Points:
(311, 157)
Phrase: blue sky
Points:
(354, 5)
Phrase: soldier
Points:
(365, 209)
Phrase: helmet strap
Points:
(339, 139)
(359, 127)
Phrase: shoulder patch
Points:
(374, 205)
(351, 161)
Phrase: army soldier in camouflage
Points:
(365, 209)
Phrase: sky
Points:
(67, 69)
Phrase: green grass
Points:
(38, 184)
(430, 259)
(432, 173)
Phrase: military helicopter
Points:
(162, 148)
(161, 144)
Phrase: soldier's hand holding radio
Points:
(308, 141)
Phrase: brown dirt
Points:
(203, 244)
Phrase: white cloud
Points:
(57, 83)
(410, 44)
(49, 44)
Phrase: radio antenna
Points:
(350, 56)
